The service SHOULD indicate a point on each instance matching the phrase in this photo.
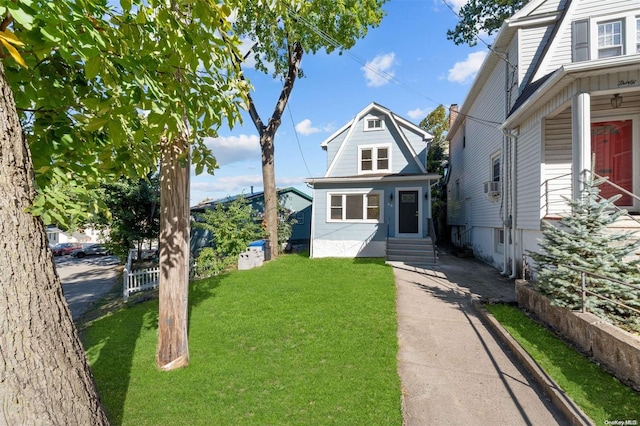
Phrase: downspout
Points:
(505, 198)
(513, 136)
(313, 223)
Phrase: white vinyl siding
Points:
(531, 46)
(594, 11)
(468, 169)
(556, 180)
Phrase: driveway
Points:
(87, 280)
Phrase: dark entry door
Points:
(408, 212)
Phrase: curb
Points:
(550, 388)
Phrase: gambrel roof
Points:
(401, 126)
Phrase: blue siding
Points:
(347, 162)
(334, 146)
(325, 230)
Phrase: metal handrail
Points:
(585, 291)
(547, 191)
(616, 186)
(432, 233)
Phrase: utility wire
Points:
(379, 72)
(481, 40)
(293, 124)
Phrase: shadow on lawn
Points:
(110, 342)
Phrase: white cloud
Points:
(465, 71)
(232, 149)
(379, 71)
(305, 128)
(418, 113)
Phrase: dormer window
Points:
(609, 39)
(373, 123)
(373, 159)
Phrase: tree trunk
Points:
(270, 191)
(267, 137)
(45, 377)
(173, 344)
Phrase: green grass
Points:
(298, 341)
(600, 395)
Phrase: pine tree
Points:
(584, 241)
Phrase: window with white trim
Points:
(610, 39)
(605, 37)
(355, 207)
(498, 238)
(373, 123)
(495, 168)
(637, 35)
(374, 159)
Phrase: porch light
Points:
(391, 197)
(616, 101)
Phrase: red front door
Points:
(611, 143)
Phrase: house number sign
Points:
(626, 83)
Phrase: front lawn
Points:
(297, 341)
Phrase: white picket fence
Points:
(142, 279)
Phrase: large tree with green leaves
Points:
(437, 124)
(134, 212)
(283, 32)
(478, 16)
(89, 92)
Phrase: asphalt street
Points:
(86, 280)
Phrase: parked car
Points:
(90, 250)
(65, 248)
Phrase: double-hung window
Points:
(495, 168)
(355, 207)
(374, 159)
(610, 39)
(637, 35)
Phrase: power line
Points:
(295, 131)
(379, 72)
(481, 40)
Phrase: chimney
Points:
(453, 114)
(251, 189)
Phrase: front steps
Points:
(418, 252)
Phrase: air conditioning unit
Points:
(492, 189)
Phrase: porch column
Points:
(580, 141)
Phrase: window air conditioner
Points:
(492, 189)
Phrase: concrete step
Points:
(411, 250)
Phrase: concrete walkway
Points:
(453, 371)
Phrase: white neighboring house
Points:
(57, 236)
(561, 86)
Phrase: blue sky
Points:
(420, 69)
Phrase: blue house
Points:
(375, 197)
(296, 202)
